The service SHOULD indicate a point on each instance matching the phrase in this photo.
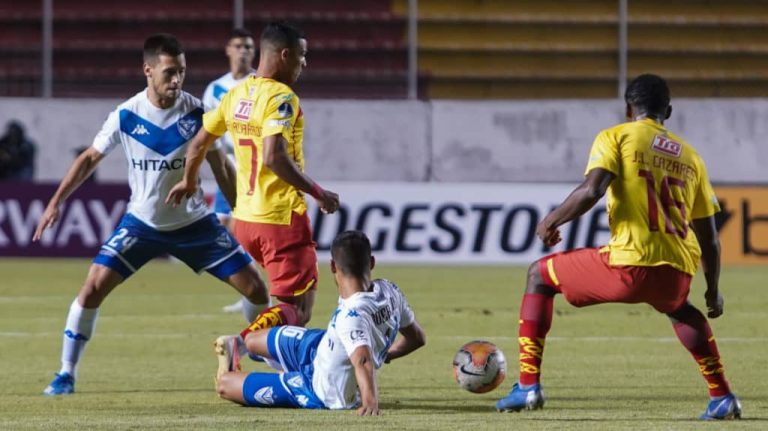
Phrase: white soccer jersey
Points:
(211, 98)
(370, 319)
(155, 142)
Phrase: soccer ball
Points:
(479, 366)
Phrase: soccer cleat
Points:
(518, 399)
(62, 384)
(228, 351)
(237, 307)
(723, 408)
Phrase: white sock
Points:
(79, 328)
(251, 310)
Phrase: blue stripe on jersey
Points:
(162, 141)
(219, 91)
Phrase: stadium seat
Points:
(467, 48)
(532, 49)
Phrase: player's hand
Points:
(548, 234)
(714, 303)
(180, 191)
(49, 218)
(369, 410)
(328, 202)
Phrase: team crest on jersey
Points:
(223, 240)
(666, 146)
(243, 109)
(265, 396)
(285, 110)
(296, 381)
(187, 127)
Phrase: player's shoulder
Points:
(619, 129)
(189, 102)
(385, 284)
(134, 102)
(281, 90)
(221, 79)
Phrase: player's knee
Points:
(92, 293)
(536, 282)
(224, 386)
(256, 342)
(534, 275)
(256, 291)
(304, 316)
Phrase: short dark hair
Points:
(161, 43)
(351, 250)
(648, 93)
(240, 32)
(281, 35)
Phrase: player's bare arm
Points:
(277, 159)
(225, 174)
(706, 234)
(413, 337)
(581, 199)
(196, 152)
(362, 361)
(81, 169)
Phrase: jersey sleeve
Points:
(406, 313)
(209, 102)
(353, 331)
(604, 154)
(705, 204)
(215, 122)
(280, 115)
(109, 135)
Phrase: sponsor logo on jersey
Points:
(303, 400)
(140, 130)
(279, 123)
(265, 395)
(357, 334)
(666, 146)
(243, 109)
(187, 127)
(353, 313)
(157, 165)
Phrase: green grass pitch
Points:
(150, 364)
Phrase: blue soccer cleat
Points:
(62, 384)
(722, 408)
(518, 399)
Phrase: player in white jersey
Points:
(241, 51)
(154, 128)
(331, 368)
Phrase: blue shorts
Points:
(295, 348)
(220, 204)
(205, 245)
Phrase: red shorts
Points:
(585, 277)
(287, 253)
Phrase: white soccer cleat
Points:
(227, 348)
(236, 307)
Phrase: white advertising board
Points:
(454, 223)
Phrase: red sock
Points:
(535, 321)
(694, 332)
(277, 315)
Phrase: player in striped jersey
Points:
(154, 128)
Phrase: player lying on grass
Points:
(661, 213)
(330, 368)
